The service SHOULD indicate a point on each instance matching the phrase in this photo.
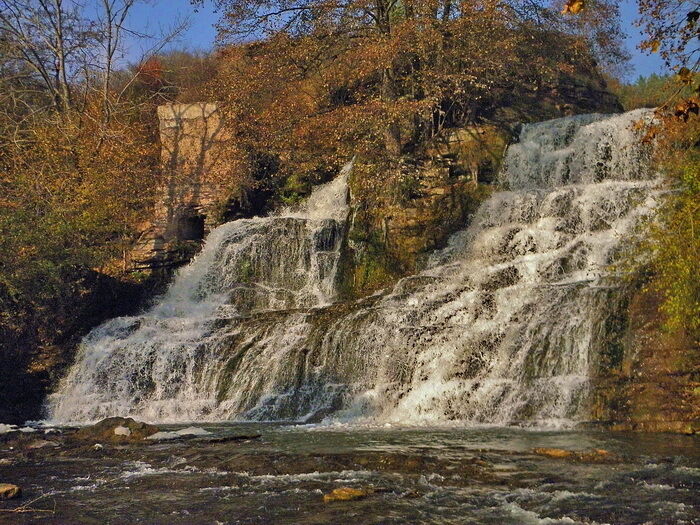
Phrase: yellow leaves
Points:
(26, 252)
(573, 7)
(654, 46)
(685, 75)
(687, 108)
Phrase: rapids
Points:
(506, 324)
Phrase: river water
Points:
(443, 475)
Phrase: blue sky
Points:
(157, 15)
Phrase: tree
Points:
(49, 37)
(671, 28)
(306, 84)
(78, 164)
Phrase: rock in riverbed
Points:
(42, 443)
(188, 432)
(585, 456)
(346, 494)
(9, 491)
(116, 430)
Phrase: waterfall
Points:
(505, 325)
(160, 364)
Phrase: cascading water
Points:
(160, 364)
(504, 326)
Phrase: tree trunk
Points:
(392, 132)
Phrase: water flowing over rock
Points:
(505, 325)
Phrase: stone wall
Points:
(188, 203)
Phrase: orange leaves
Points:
(686, 108)
(150, 73)
(78, 188)
(573, 7)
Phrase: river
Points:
(447, 475)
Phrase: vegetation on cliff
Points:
(670, 244)
(673, 238)
(321, 82)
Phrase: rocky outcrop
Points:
(579, 90)
(649, 377)
(390, 237)
(116, 430)
(414, 209)
(38, 346)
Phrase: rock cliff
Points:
(649, 379)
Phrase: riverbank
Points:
(403, 475)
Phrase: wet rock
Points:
(553, 452)
(346, 494)
(647, 379)
(42, 443)
(116, 430)
(189, 432)
(229, 439)
(9, 491)
(596, 455)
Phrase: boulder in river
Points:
(9, 491)
(189, 432)
(116, 430)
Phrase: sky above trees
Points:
(158, 15)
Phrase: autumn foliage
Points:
(151, 73)
(306, 85)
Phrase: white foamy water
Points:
(159, 364)
(505, 326)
